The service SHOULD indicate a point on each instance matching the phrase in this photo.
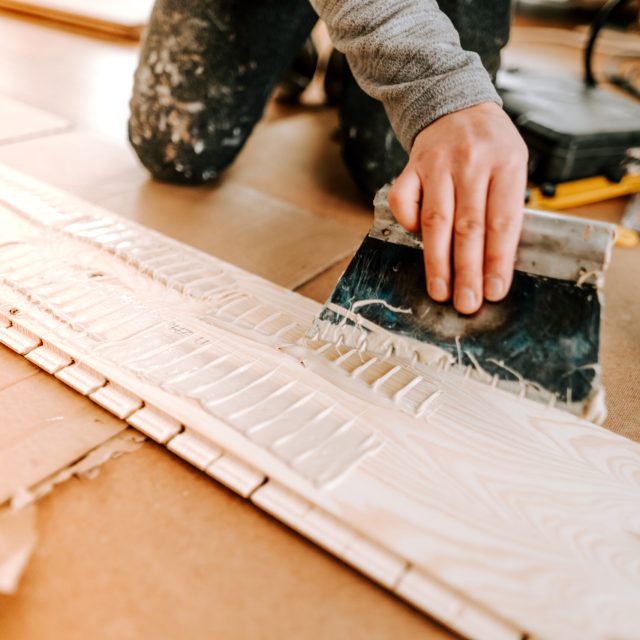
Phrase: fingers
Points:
(469, 240)
(436, 216)
(503, 226)
(432, 215)
(463, 189)
(404, 199)
(477, 217)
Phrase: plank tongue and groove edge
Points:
(125, 18)
(497, 515)
(20, 121)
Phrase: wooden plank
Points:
(125, 18)
(260, 233)
(87, 81)
(514, 510)
(20, 121)
(14, 368)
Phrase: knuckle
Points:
(469, 226)
(515, 159)
(434, 218)
(503, 225)
(511, 163)
(467, 152)
(515, 165)
(466, 274)
(436, 158)
(419, 158)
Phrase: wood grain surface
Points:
(262, 233)
(523, 519)
(19, 121)
(186, 542)
(125, 18)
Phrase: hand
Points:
(463, 188)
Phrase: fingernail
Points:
(465, 300)
(438, 289)
(493, 287)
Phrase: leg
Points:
(370, 148)
(206, 70)
(483, 26)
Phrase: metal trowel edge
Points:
(541, 341)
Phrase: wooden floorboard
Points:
(152, 547)
(20, 121)
(251, 228)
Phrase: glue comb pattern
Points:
(497, 515)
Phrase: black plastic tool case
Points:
(572, 131)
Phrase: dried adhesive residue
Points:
(355, 330)
(595, 409)
(88, 467)
(365, 303)
(17, 541)
(18, 520)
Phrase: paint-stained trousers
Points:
(208, 67)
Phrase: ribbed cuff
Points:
(458, 90)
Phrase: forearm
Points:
(407, 54)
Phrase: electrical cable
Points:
(596, 26)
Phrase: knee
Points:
(184, 127)
(193, 161)
(181, 143)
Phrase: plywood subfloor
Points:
(20, 121)
(620, 346)
(46, 433)
(160, 551)
(152, 547)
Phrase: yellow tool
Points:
(566, 195)
(627, 238)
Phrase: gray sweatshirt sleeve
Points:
(407, 54)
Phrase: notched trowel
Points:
(541, 341)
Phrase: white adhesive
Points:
(528, 513)
(365, 303)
